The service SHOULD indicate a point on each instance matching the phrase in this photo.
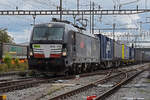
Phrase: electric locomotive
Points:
(60, 47)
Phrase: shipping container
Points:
(146, 56)
(138, 56)
(14, 50)
(125, 52)
(131, 54)
(117, 51)
(106, 48)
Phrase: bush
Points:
(23, 66)
(12, 65)
(3, 68)
(16, 62)
(8, 59)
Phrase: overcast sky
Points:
(20, 26)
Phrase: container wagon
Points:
(106, 51)
(146, 56)
(138, 56)
(14, 50)
(125, 54)
(131, 55)
(117, 54)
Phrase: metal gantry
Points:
(135, 41)
(116, 29)
(73, 12)
(78, 12)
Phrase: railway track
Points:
(101, 88)
(11, 85)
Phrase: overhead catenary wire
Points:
(46, 4)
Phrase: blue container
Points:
(106, 48)
(131, 53)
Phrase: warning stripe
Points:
(55, 55)
(36, 55)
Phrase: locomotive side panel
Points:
(70, 47)
(83, 48)
(86, 49)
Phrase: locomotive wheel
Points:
(67, 73)
(77, 70)
(80, 69)
(90, 68)
(73, 69)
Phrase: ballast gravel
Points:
(50, 90)
(137, 89)
(46, 91)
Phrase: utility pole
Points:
(60, 9)
(90, 16)
(140, 29)
(140, 33)
(93, 19)
(78, 4)
(114, 26)
(145, 4)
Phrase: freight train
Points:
(60, 47)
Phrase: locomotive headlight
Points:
(64, 53)
(31, 54)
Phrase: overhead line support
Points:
(73, 12)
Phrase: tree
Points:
(5, 37)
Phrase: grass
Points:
(148, 80)
(10, 64)
(144, 91)
(54, 89)
(13, 67)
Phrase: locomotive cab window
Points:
(55, 33)
(39, 33)
(45, 33)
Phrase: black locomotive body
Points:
(59, 47)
